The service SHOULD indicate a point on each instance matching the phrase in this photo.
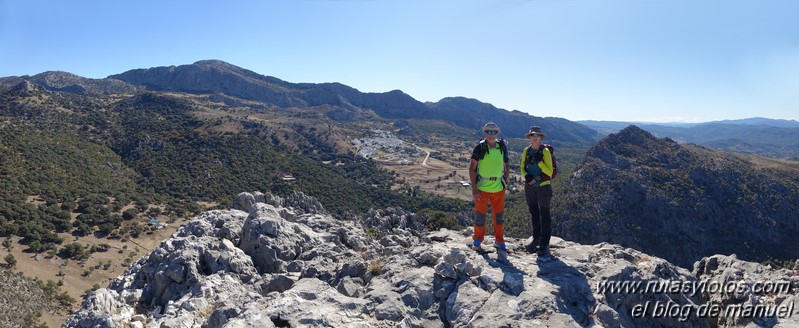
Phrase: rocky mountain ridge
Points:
(232, 84)
(765, 137)
(680, 202)
(283, 262)
(214, 76)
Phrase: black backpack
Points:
(480, 152)
(529, 159)
(482, 149)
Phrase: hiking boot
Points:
(476, 245)
(543, 250)
(501, 246)
(532, 247)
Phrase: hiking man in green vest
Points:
(488, 173)
(538, 168)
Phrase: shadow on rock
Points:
(574, 295)
(513, 278)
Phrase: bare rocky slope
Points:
(284, 262)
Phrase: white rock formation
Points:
(267, 265)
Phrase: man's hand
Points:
(476, 194)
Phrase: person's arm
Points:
(473, 179)
(546, 163)
(528, 178)
(524, 158)
(506, 173)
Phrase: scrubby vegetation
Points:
(22, 299)
(680, 202)
(66, 155)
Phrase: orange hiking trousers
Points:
(497, 200)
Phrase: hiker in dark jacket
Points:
(537, 168)
(488, 173)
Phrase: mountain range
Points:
(618, 125)
(762, 136)
(231, 83)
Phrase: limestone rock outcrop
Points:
(263, 264)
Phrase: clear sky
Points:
(626, 60)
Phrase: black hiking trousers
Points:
(538, 202)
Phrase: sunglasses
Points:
(535, 135)
(491, 132)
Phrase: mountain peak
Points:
(455, 102)
(631, 134)
(633, 144)
(59, 77)
(223, 66)
(654, 194)
(214, 62)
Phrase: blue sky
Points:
(627, 60)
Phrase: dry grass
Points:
(207, 205)
(427, 177)
(36, 200)
(375, 267)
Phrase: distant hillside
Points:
(765, 137)
(761, 121)
(234, 85)
(514, 124)
(618, 125)
(212, 76)
(68, 82)
(680, 202)
(93, 155)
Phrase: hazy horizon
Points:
(678, 122)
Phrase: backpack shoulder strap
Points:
(480, 150)
(528, 154)
(503, 149)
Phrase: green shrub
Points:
(11, 261)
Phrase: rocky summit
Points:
(284, 262)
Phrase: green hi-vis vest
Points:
(490, 171)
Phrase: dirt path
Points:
(426, 157)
